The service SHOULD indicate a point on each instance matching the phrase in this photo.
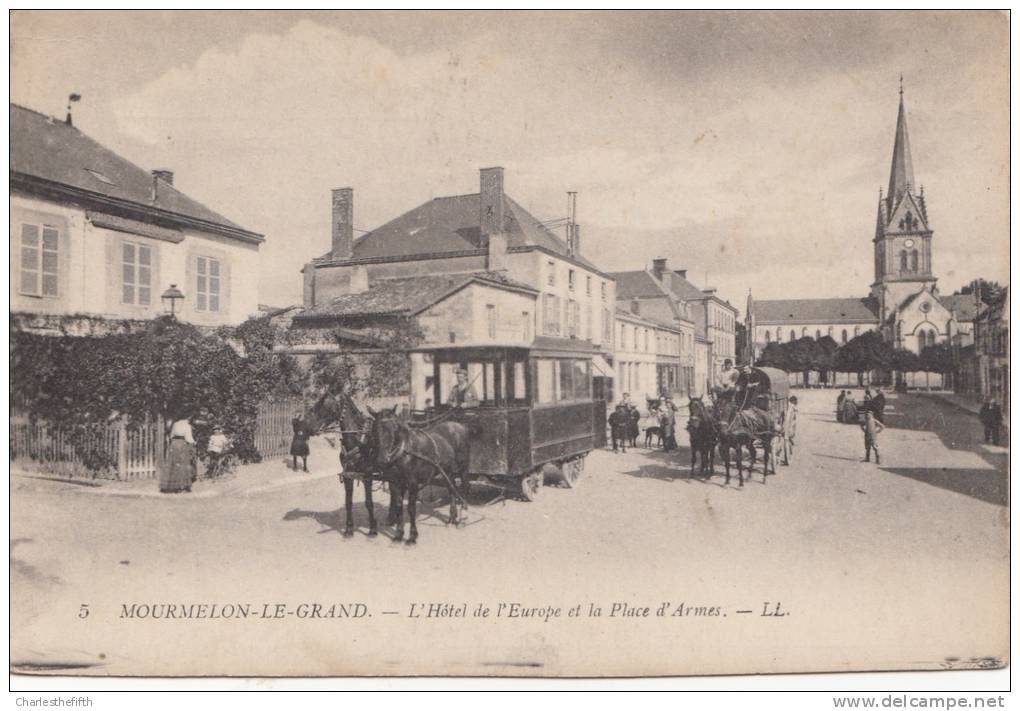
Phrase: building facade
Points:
(93, 234)
(904, 303)
(983, 367)
(636, 360)
(668, 297)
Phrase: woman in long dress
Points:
(179, 472)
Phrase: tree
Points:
(864, 353)
(803, 356)
(825, 356)
(774, 356)
(936, 359)
(905, 361)
(991, 291)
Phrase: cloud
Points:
(753, 179)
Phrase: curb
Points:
(210, 493)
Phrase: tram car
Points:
(531, 410)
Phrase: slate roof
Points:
(643, 285)
(49, 149)
(451, 224)
(961, 305)
(852, 310)
(406, 296)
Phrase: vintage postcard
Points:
(546, 344)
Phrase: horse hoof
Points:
(348, 532)
(411, 541)
(398, 537)
(372, 533)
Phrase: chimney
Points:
(496, 258)
(681, 272)
(575, 242)
(167, 176)
(490, 203)
(659, 267)
(308, 277)
(343, 224)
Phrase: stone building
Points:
(94, 235)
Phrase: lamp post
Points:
(170, 298)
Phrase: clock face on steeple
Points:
(909, 243)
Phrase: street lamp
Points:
(170, 298)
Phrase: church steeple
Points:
(901, 176)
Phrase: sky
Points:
(747, 148)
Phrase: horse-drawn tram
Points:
(527, 409)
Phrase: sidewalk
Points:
(963, 403)
(245, 480)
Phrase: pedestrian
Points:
(790, 423)
(991, 418)
(878, 405)
(619, 427)
(669, 411)
(839, 405)
(215, 451)
(634, 416)
(299, 444)
(871, 428)
(180, 471)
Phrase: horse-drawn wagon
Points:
(768, 389)
(528, 409)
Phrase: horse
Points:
(655, 433)
(412, 456)
(703, 433)
(741, 428)
(357, 456)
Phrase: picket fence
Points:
(116, 451)
(109, 451)
(273, 428)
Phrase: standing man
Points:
(839, 405)
(991, 418)
(878, 406)
(871, 428)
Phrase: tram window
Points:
(546, 381)
(520, 385)
(581, 379)
(566, 380)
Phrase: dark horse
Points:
(412, 456)
(741, 428)
(703, 432)
(357, 456)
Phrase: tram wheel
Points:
(531, 484)
(572, 471)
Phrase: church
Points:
(904, 303)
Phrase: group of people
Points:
(848, 410)
(625, 422)
(181, 469)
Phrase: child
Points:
(619, 426)
(871, 428)
(217, 448)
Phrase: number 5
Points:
(83, 611)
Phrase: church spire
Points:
(901, 176)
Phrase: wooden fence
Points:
(108, 451)
(273, 429)
(116, 451)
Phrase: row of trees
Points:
(862, 354)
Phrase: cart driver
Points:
(726, 381)
(463, 394)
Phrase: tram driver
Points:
(463, 394)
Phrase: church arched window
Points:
(818, 333)
(903, 260)
(844, 335)
(857, 331)
(768, 336)
(803, 332)
(913, 261)
(793, 335)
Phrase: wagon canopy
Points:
(768, 380)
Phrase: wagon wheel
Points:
(572, 471)
(531, 484)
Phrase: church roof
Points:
(901, 174)
(783, 311)
(961, 305)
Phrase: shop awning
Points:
(602, 367)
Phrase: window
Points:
(607, 327)
(768, 336)
(604, 290)
(551, 276)
(793, 335)
(903, 260)
(571, 279)
(207, 289)
(913, 261)
(572, 317)
(587, 285)
(526, 326)
(39, 260)
(136, 274)
(551, 315)
(490, 314)
(646, 339)
(844, 335)
(803, 332)
(857, 331)
(818, 333)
